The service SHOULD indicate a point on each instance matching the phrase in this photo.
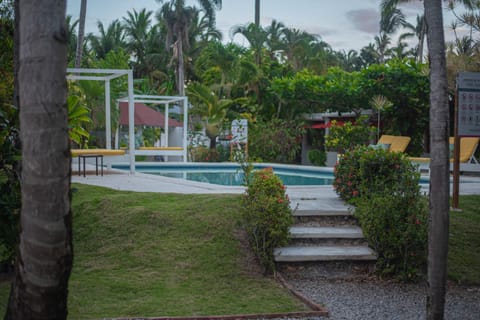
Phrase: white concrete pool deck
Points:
(139, 182)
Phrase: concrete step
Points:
(324, 218)
(315, 236)
(324, 253)
(320, 213)
(352, 232)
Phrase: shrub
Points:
(390, 209)
(203, 154)
(365, 170)
(317, 157)
(396, 228)
(9, 184)
(267, 216)
(347, 136)
(275, 141)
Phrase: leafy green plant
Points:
(396, 228)
(275, 141)
(78, 118)
(317, 157)
(267, 216)
(9, 183)
(384, 188)
(345, 137)
(203, 154)
(365, 170)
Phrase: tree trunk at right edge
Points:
(439, 165)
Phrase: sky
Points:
(343, 24)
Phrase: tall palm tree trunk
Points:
(257, 13)
(421, 42)
(44, 256)
(81, 34)
(439, 165)
(180, 67)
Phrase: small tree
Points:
(345, 137)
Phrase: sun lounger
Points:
(468, 162)
(162, 151)
(103, 152)
(394, 143)
(83, 154)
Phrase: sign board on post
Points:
(240, 131)
(468, 95)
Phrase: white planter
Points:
(331, 158)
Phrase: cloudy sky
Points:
(344, 24)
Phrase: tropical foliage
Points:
(267, 215)
(384, 188)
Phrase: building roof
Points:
(145, 116)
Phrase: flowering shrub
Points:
(390, 209)
(365, 170)
(267, 215)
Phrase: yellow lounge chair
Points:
(101, 152)
(468, 146)
(396, 143)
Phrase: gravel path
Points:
(358, 300)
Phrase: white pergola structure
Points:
(107, 75)
(166, 101)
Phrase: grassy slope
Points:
(464, 242)
(145, 254)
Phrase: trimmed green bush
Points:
(384, 187)
(364, 170)
(396, 228)
(317, 157)
(267, 216)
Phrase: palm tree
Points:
(439, 166)
(381, 45)
(257, 13)
(137, 26)
(210, 108)
(111, 39)
(177, 17)
(81, 34)
(44, 256)
(256, 37)
(72, 38)
(296, 44)
(274, 37)
(393, 18)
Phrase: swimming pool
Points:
(230, 174)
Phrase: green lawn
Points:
(464, 242)
(146, 254)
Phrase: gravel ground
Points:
(374, 299)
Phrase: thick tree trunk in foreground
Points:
(44, 257)
(439, 165)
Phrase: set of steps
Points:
(326, 237)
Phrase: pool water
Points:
(233, 175)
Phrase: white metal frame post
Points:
(165, 100)
(107, 75)
(185, 128)
(108, 119)
(131, 122)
